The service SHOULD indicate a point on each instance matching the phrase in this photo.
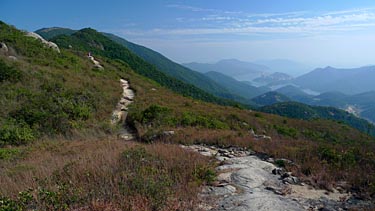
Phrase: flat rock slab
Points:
(245, 182)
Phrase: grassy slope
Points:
(303, 111)
(90, 40)
(162, 63)
(53, 94)
(326, 152)
(180, 72)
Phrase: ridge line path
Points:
(121, 111)
(246, 182)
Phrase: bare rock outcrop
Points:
(47, 43)
(96, 62)
(246, 182)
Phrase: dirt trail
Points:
(120, 113)
(245, 182)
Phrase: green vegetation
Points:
(49, 33)
(63, 97)
(60, 96)
(9, 73)
(270, 98)
(162, 63)
(89, 40)
(306, 112)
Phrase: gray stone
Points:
(168, 133)
(3, 48)
(45, 42)
(12, 58)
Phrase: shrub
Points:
(8, 73)
(190, 119)
(15, 133)
(7, 154)
(286, 131)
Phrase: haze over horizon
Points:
(316, 33)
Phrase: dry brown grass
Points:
(97, 175)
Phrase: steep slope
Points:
(270, 98)
(231, 67)
(295, 94)
(241, 88)
(48, 93)
(162, 63)
(303, 111)
(89, 40)
(176, 70)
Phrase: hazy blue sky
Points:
(317, 32)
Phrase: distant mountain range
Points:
(347, 81)
(285, 66)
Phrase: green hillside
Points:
(58, 150)
(306, 112)
(270, 98)
(235, 86)
(89, 40)
(180, 72)
(162, 63)
(49, 33)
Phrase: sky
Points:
(317, 33)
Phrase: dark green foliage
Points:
(154, 112)
(205, 174)
(56, 109)
(9, 73)
(9, 153)
(286, 131)
(89, 40)
(270, 98)
(15, 133)
(306, 112)
(48, 33)
(341, 159)
(191, 119)
(49, 93)
(280, 163)
(180, 72)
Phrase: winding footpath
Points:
(246, 182)
(121, 111)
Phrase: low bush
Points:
(13, 132)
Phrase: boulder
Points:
(12, 58)
(168, 133)
(45, 42)
(3, 48)
(278, 171)
(291, 180)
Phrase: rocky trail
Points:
(120, 113)
(246, 182)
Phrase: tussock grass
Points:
(107, 174)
